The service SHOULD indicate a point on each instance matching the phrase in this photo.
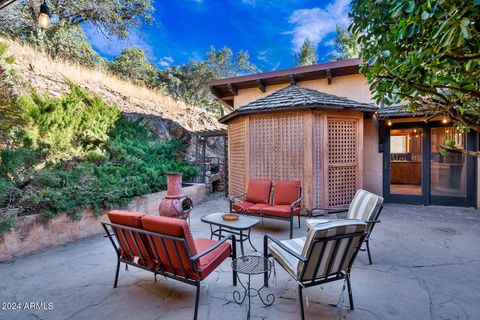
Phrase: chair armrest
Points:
(201, 254)
(293, 204)
(330, 210)
(231, 199)
(372, 221)
(281, 245)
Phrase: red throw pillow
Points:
(286, 192)
(258, 191)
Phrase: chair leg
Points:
(368, 252)
(299, 221)
(234, 256)
(349, 287)
(291, 227)
(197, 299)
(300, 297)
(116, 273)
(265, 254)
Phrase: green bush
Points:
(76, 152)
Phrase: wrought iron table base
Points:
(251, 293)
(242, 236)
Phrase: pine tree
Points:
(307, 54)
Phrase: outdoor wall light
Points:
(44, 16)
(389, 123)
(444, 120)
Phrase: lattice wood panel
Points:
(342, 184)
(318, 159)
(342, 161)
(277, 147)
(236, 155)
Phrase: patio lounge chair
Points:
(326, 254)
(287, 197)
(165, 246)
(365, 206)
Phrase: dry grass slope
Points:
(48, 76)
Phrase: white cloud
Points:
(113, 46)
(317, 23)
(166, 61)
(262, 55)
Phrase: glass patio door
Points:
(405, 165)
(452, 173)
(417, 171)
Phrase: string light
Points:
(44, 16)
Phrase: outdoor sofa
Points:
(285, 203)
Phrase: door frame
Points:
(426, 198)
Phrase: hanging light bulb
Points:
(444, 120)
(44, 16)
(389, 123)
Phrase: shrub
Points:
(76, 153)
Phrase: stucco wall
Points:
(34, 233)
(372, 159)
(354, 87)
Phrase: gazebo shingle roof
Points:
(293, 97)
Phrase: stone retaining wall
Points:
(34, 233)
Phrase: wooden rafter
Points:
(261, 85)
(329, 76)
(293, 81)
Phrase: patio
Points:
(426, 263)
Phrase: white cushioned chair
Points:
(326, 254)
(365, 206)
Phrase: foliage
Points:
(424, 53)
(132, 64)
(191, 82)
(224, 64)
(67, 42)
(307, 54)
(66, 127)
(102, 161)
(112, 17)
(7, 72)
(345, 44)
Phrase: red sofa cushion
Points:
(176, 228)
(133, 220)
(257, 208)
(213, 259)
(282, 210)
(242, 206)
(286, 192)
(258, 191)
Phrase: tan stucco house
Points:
(318, 124)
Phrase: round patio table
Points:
(250, 266)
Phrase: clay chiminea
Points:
(175, 204)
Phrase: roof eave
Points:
(234, 114)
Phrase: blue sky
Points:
(270, 30)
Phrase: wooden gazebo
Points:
(301, 134)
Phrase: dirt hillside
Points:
(47, 75)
